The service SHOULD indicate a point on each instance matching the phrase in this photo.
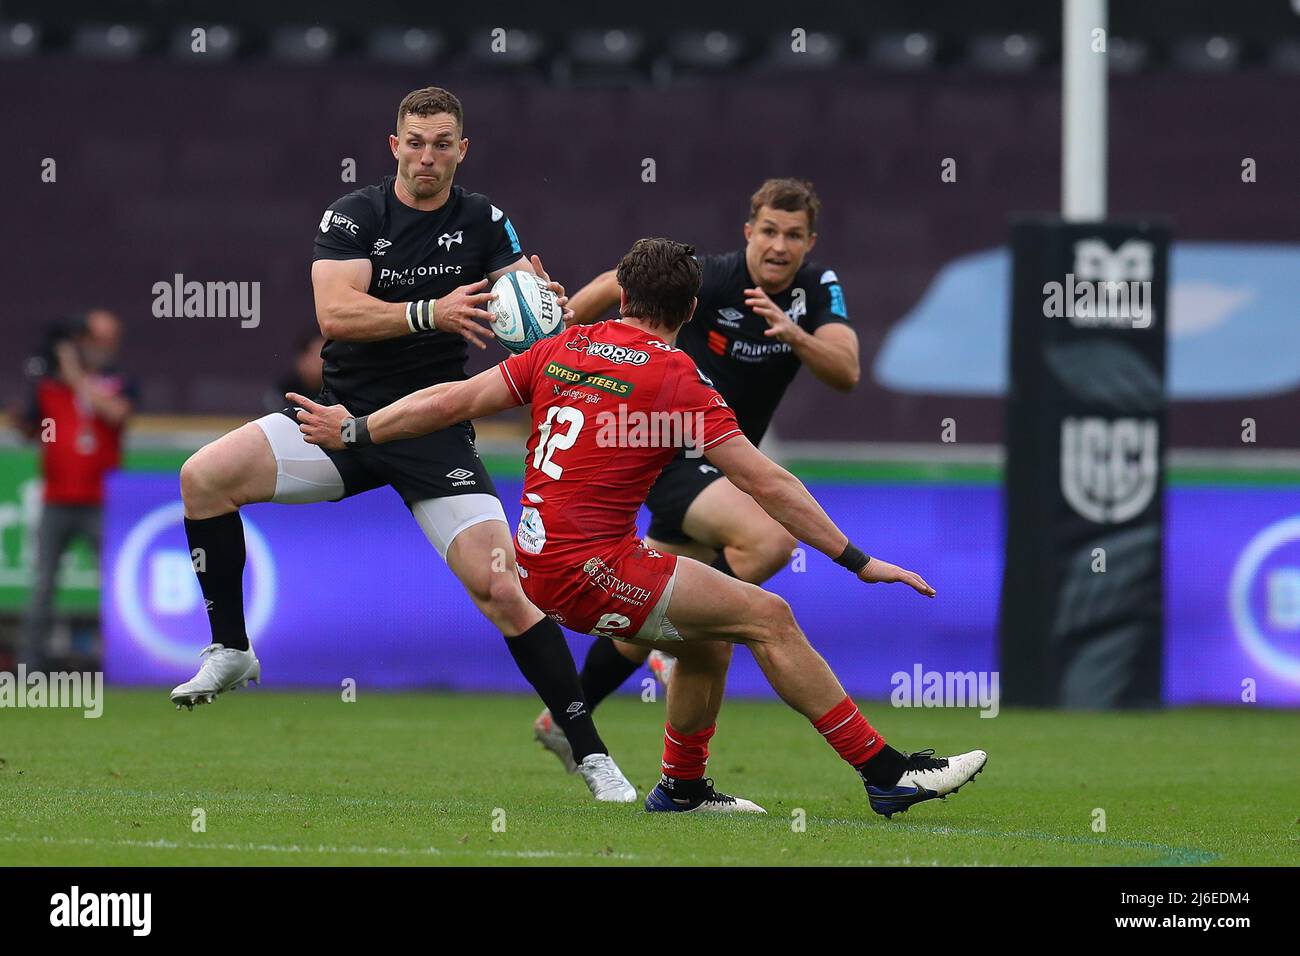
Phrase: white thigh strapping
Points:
(303, 472)
(657, 627)
(441, 519)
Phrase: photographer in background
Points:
(76, 413)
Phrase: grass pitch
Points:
(430, 779)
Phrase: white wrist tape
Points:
(419, 315)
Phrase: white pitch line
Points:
(162, 844)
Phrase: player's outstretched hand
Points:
(320, 424)
(461, 310)
(779, 325)
(560, 297)
(882, 572)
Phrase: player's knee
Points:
(200, 485)
(776, 619)
(503, 592)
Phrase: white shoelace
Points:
(210, 653)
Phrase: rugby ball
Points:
(524, 311)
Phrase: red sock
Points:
(686, 754)
(848, 732)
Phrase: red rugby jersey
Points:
(611, 406)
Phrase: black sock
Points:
(687, 789)
(217, 550)
(543, 657)
(884, 767)
(720, 562)
(604, 671)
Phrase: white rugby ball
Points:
(524, 311)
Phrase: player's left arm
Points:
(428, 410)
(785, 499)
(828, 346)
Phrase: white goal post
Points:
(1083, 110)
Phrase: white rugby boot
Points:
(927, 777)
(605, 780)
(224, 669)
(695, 796)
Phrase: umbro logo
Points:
(575, 708)
(461, 476)
(448, 239)
(381, 246)
(730, 317)
(207, 604)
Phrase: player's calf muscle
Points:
(799, 675)
(761, 554)
(698, 685)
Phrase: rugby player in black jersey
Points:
(400, 272)
(764, 312)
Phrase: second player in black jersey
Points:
(764, 312)
(400, 274)
(729, 340)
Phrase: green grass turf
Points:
(304, 778)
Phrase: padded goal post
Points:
(1082, 610)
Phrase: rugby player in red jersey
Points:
(612, 403)
(766, 311)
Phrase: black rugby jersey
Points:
(752, 370)
(413, 255)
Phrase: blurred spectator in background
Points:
(76, 412)
(306, 377)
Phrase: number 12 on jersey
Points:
(550, 439)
